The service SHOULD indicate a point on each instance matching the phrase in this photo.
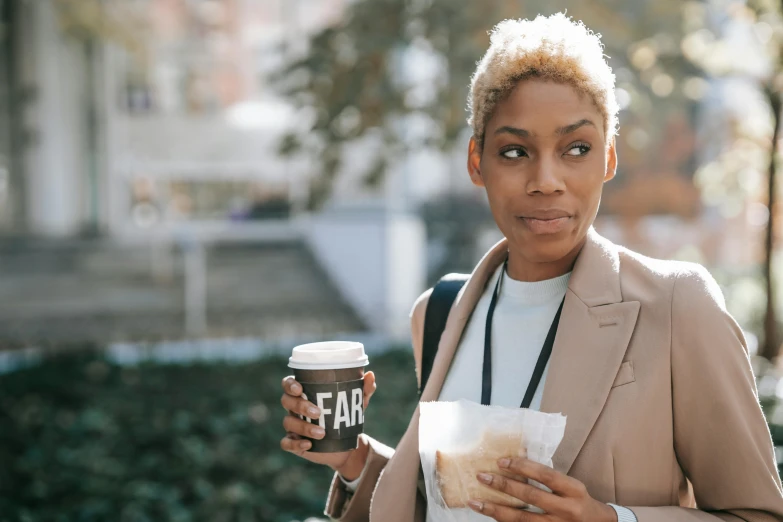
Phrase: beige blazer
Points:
(654, 377)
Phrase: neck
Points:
(521, 269)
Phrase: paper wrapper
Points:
(459, 439)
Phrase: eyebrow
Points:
(568, 129)
(562, 131)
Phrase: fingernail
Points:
(296, 388)
(504, 463)
(486, 478)
(305, 444)
(318, 432)
(313, 412)
(476, 505)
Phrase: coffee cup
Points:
(332, 377)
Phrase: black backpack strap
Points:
(443, 295)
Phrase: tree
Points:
(356, 82)
(86, 26)
(754, 144)
(771, 86)
(12, 106)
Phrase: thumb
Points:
(369, 387)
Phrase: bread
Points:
(457, 470)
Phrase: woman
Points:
(651, 371)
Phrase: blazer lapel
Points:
(595, 328)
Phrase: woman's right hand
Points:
(349, 464)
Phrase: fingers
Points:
(300, 406)
(295, 425)
(526, 493)
(369, 387)
(291, 387)
(505, 514)
(292, 443)
(558, 482)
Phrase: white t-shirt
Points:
(523, 316)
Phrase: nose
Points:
(545, 179)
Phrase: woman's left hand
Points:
(568, 502)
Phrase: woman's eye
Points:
(513, 153)
(578, 150)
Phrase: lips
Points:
(544, 222)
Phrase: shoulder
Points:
(420, 307)
(686, 298)
(417, 313)
(453, 283)
(676, 280)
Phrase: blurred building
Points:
(128, 114)
(141, 192)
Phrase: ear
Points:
(611, 160)
(474, 162)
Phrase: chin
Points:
(548, 253)
(546, 248)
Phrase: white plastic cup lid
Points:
(330, 355)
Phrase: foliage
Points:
(392, 75)
(82, 439)
(103, 20)
(739, 45)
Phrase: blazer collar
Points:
(596, 276)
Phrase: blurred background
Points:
(189, 188)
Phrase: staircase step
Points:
(59, 292)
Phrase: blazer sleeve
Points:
(721, 438)
(344, 506)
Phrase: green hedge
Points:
(84, 440)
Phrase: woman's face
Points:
(543, 164)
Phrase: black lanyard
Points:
(543, 357)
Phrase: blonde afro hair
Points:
(553, 48)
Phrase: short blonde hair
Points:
(553, 48)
